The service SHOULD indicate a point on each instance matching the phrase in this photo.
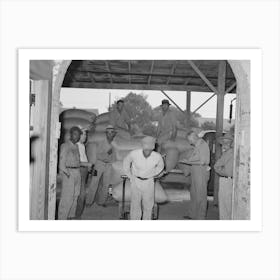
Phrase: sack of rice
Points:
(160, 195)
(91, 152)
(77, 113)
(103, 118)
(66, 124)
(171, 160)
(96, 137)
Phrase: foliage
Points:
(139, 110)
(208, 125)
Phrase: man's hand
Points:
(110, 151)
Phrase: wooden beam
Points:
(38, 168)
(137, 86)
(151, 71)
(203, 77)
(173, 102)
(188, 108)
(230, 88)
(129, 70)
(227, 91)
(204, 103)
(172, 72)
(109, 71)
(219, 121)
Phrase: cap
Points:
(120, 100)
(110, 127)
(148, 142)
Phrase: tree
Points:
(208, 125)
(140, 112)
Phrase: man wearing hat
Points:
(167, 125)
(224, 167)
(199, 160)
(105, 156)
(69, 167)
(120, 120)
(141, 166)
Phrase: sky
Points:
(83, 98)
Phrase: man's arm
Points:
(174, 127)
(159, 166)
(127, 161)
(62, 160)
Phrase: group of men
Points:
(142, 167)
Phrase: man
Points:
(167, 125)
(84, 169)
(141, 166)
(224, 167)
(105, 156)
(120, 120)
(199, 161)
(69, 166)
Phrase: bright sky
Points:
(83, 98)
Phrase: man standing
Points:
(141, 166)
(199, 161)
(105, 156)
(84, 169)
(120, 120)
(167, 125)
(69, 166)
(224, 167)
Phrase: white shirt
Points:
(136, 164)
(82, 152)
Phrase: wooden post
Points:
(58, 72)
(188, 108)
(219, 121)
(38, 170)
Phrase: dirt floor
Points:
(167, 211)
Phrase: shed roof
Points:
(177, 75)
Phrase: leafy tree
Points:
(139, 110)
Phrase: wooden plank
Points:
(38, 176)
(188, 107)
(151, 71)
(109, 71)
(203, 77)
(219, 121)
(172, 71)
(58, 73)
(129, 70)
(138, 86)
(230, 88)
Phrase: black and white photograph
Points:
(140, 139)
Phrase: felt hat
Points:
(165, 101)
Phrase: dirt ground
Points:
(167, 211)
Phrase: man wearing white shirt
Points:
(141, 166)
